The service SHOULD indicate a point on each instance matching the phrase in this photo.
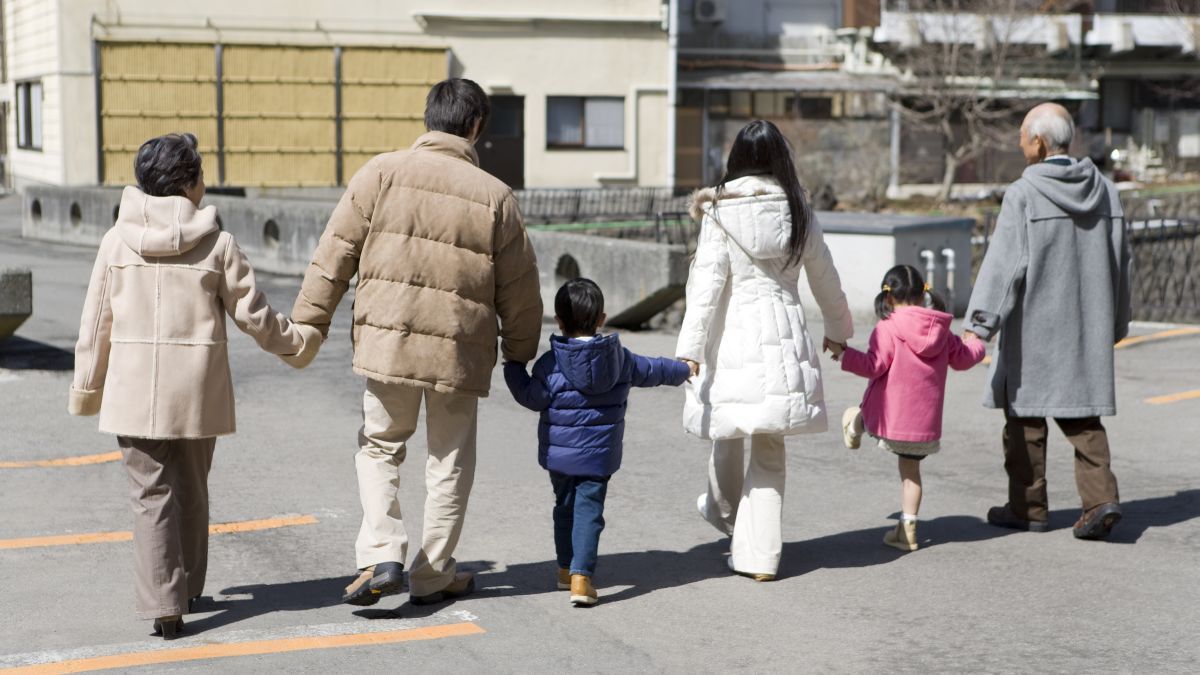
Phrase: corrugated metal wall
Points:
(383, 99)
(147, 90)
(278, 108)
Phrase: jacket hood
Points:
(447, 144)
(925, 331)
(753, 211)
(591, 366)
(1078, 187)
(162, 226)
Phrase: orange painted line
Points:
(1174, 398)
(81, 460)
(255, 648)
(1155, 337)
(108, 537)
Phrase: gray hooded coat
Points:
(1055, 284)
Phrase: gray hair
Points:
(1056, 130)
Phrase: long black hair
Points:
(903, 283)
(760, 149)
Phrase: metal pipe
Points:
(99, 112)
(930, 266)
(949, 255)
(337, 114)
(672, 86)
(220, 55)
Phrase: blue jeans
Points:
(578, 520)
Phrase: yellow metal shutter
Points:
(148, 90)
(383, 99)
(280, 127)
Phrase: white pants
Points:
(748, 502)
(389, 419)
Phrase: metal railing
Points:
(583, 205)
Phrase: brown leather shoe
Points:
(1097, 522)
(564, 579)
(463, 585)
(583, 594)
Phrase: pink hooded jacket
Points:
(906, 363)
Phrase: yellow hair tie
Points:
(928, 287)
(887, 289)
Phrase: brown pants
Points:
(1025, 462)
(168, 490)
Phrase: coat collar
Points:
(447, 144)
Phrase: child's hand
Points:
(692, 366)
(835, 349)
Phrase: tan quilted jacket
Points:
(152, 358)
(444, 268)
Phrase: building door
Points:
(502, 148)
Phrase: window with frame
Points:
(29, 115)
(585, 122)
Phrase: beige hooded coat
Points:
(152, 358)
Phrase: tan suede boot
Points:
(904, 537)
(564, 579)
(582, 592)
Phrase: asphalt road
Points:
(973, 598)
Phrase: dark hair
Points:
(761, 149)
(579, 304)
(454, 105)
(167, 166)
(903, 283)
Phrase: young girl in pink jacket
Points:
(906, 362)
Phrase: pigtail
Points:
(934, 300)
(883, 305)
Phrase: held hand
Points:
(834, 348)
(692, 366)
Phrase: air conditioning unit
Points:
(709, 11)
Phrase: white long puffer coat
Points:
(760, 371)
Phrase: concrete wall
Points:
(639, 279)
(531, 48)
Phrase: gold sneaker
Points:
(904, 537)
(564, 579)
(582, 592)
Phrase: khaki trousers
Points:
(168, 490)
(390, 414)
(1025, 462)
(748, 502)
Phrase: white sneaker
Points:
(852, 427)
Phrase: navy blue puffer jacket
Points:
(581, 388)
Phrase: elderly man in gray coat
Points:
(1055, 285)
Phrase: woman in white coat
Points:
(758, 373)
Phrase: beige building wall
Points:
(530, 48)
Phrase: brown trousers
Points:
(1025, 462)
(168, 490)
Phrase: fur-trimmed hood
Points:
(753, 211)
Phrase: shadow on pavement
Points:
(17, 353)
(1141, 514)
(293, 596)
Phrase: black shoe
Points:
(463, 585)
(359, 592)
(1003, 516)
(1098, 522)
(168, 627)
(388, 578)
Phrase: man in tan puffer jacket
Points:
(444, 268)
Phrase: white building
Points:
(299, 93)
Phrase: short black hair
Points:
(454, 105)
(167, 166)
(579, 305)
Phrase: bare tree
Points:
(960, 61)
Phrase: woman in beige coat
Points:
(152, 361)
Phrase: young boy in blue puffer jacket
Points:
(581, 387)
